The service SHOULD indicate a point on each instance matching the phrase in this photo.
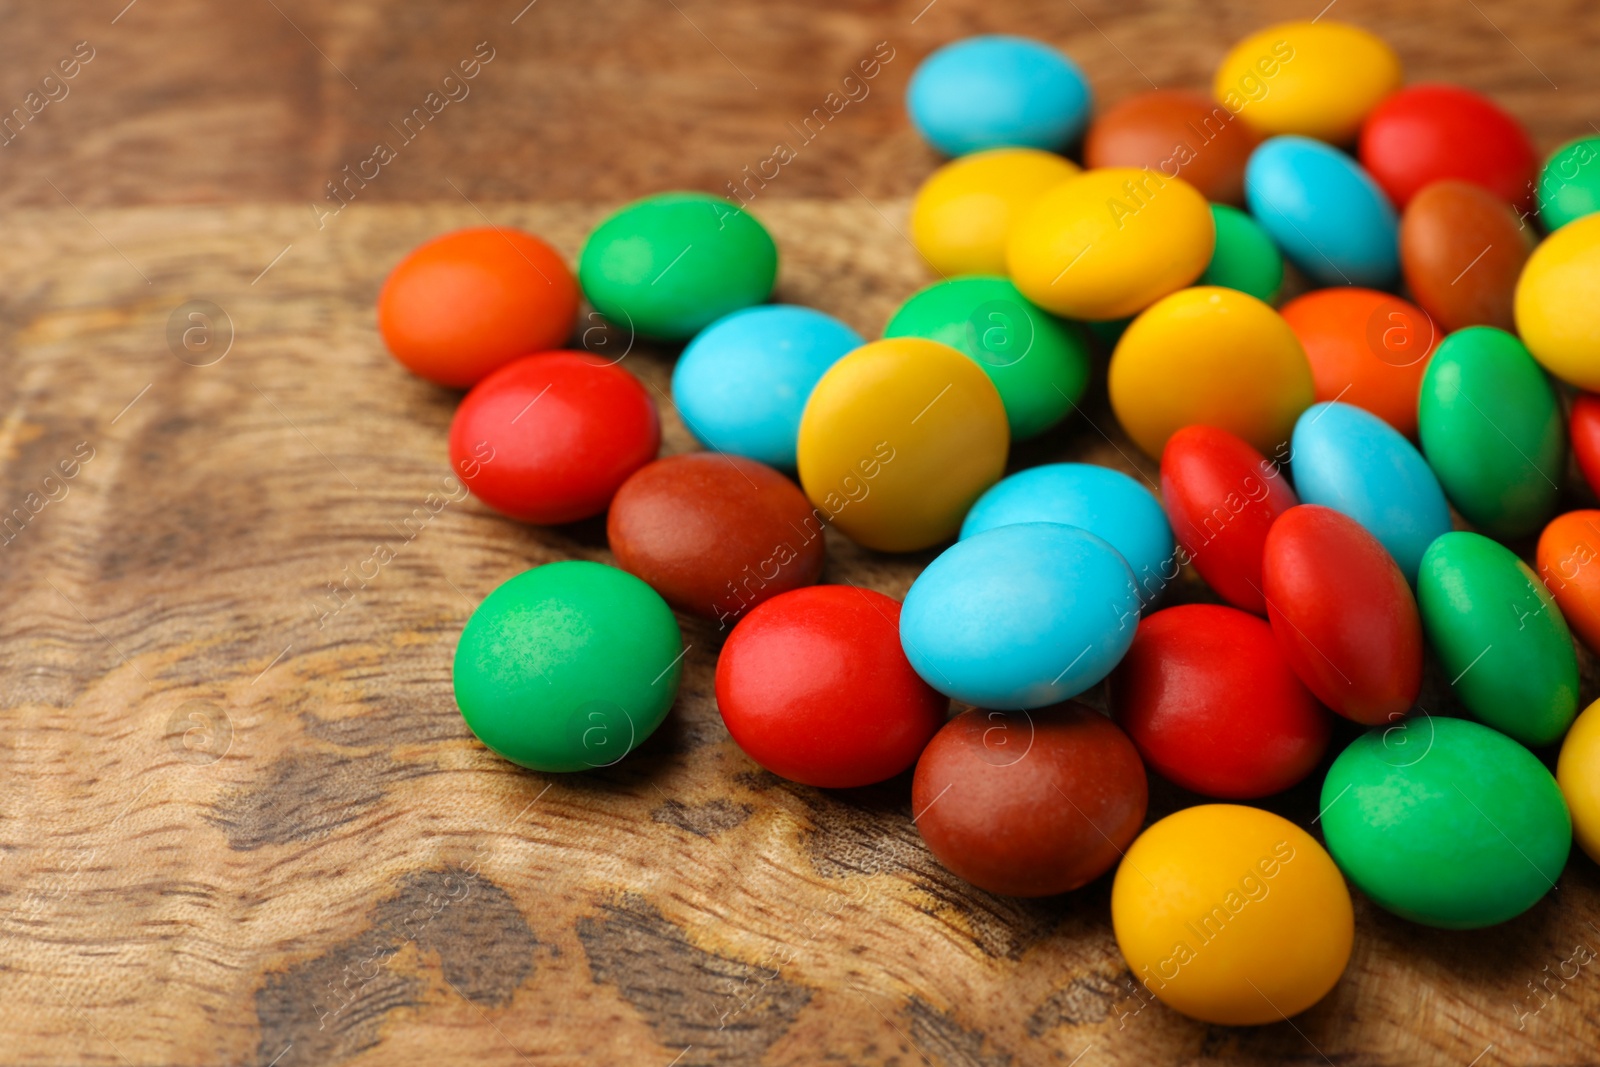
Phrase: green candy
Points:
(671, 264)
(1492, 430)
(568, 666)
(1569, 184)
(1499, 636)
(1038, 363)
(1245, 258)
(1445, 822)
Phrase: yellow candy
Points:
(1318, 79)
(964, 210)
(1210, 355)
(1108, 243)
(1578, 774)
(1232, 915)
(1557, 314)
(897, 441)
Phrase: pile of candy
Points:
(1310, 458)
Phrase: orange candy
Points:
(1569, 563)
(1366, 348)
(469, 302)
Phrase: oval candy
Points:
(997, 91)
(1583, 423)
(963, 213)
(1245, 257)
(1318, 78)
(1569, 565)
(1557, 315)
(1569, 183)
(1462, 250)
(1326, 213)
(1578, 775)
(1428, 133)
(1178, 132)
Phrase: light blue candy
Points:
(1107, 503)
(998, 92)
(742, 383)
(1021, 616)
(1324, 211)
(1350, 460)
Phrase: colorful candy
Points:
(469, 302)
(1109, 243)
(1445, 822)
(897, 441)
(1578, 774)
(715, 535)
(742, 383)
(1039, 364)
(997, 91)
(1557, 315)
(1428, 133)
(1491, 429)
(1569, 183)
(670, 265)
(1020, 616)
(1029, 804)
(1343, 614)
(964, 212)
(549, 438)
(1326, 213)
(813, 686)
(1569, 565)
(1214, 356)
(1211, 703)
(1318, 79)
(1499, 636)
(1244, 258)
(1462, 250)
(1232, 915)
(1181, 134)
(1583, 425)
(568, 666)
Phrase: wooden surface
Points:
(238, 827)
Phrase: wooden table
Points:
(240, 827)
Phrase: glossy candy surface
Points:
(1222, 497)
(1109, 243)
(1343, 614)
(549, 438)
(1366, 348)
(1245, 257)
(1583, 423)
(1569, 183)
(1492, 431)
(1578, 774)
(1445, 822)
(1318, 78)
(1232, 915)
(1211, 703)
(1557, 315)
(469, 302)
(1020, 616)
(813, 686)
(1462, 250)
(1352, 461)
(1324, 211)
(1569, 565)
(568, 666)
(1179, 133)
(1427, 133)
(964, 212)
(1213, 356)
(1039, 364)
(998, 91)
(1029, 804)
(897, 441)
(742, 383)
(715, 535)
(1499, 636)
(671, 264)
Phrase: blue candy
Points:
(998, 92)
(1021, 616)
(1107, 503)
(1324, 212)
(1352, 461)
(742, 383)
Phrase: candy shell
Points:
(1569, 565)
(1329, 217)
(1462, 250)
(1181, 133)
(1499, 636)
(1021, 616)
(1583, 423)
(1318, 78)
(998, 91)
(1427, 133)
(965, 210)
(1245, 257)
(1445, 822)
(1213, 356)
(1578, 774)
(1557, 315)
(1569, 183)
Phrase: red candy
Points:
(1584, 429)
(1211, 703)
(1221, 497)
(1428, 132)
(1343, 614)
(1029, 804)
(814, 687)
(549, 438)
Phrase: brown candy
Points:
(1462, 248)
(1179, 133)
(715, 535)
